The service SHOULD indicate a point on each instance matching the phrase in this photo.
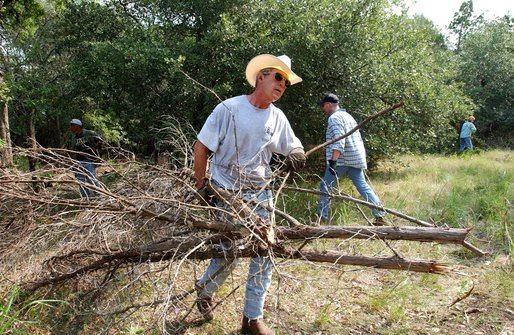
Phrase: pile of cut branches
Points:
(147, 228)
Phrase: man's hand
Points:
(296, 159)
(204, 195)
(332, 167)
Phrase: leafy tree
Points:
(16, 17)
(121, 65)
(486, 60)
(462, 21)
(33, 81)
(367, 56)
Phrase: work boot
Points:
(255, 327)
(379, 221)
(204, 305)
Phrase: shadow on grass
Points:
(179, 328)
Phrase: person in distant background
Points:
(84, 146)
(344, 157)
(465, 134)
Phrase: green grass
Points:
(458, 191)
(22, 317)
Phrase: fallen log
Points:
(391, 263)
(256, 227)
(200, 250)
(419, 234)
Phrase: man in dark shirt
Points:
(84, 146)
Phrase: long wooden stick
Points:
(418, 234)
(392, 263)
(361, 202)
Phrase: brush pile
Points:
(139, 243)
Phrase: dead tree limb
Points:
(474, 249)
(392, 263)
(263, 230)
(173, 249)
(440, 235)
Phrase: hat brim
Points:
(266, 61)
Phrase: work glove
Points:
(204, 195)
(332, 167)
(296, 159)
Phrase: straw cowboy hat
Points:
(265, 61)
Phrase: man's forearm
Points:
(200, 166)
(335, 154)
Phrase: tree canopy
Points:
(122, 66)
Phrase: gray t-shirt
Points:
(243, 139)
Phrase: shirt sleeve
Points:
(92, 138)
(213, 131)
(286, 140)
(336, 128)
(96, 137)
(289, 140)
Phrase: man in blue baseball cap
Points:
(344, 157)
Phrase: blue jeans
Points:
(259, 272)
(357, 177)
(86, 174)
(465, 142)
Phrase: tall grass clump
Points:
(458, 191)
(21, 317)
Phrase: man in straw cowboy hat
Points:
(242, 133)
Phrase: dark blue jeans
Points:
(357, 177)
(86, 174)
(465, 142)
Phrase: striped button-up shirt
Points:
(352, 147)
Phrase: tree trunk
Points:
(7, 158)
(31, 159)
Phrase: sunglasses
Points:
(278, 77)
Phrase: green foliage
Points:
(13, 315)
(4, 92)
(21, 15)
(369, 58)
(324, 317)
(111, 131)
(462, 21)
(123, 65)
(486, 69)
